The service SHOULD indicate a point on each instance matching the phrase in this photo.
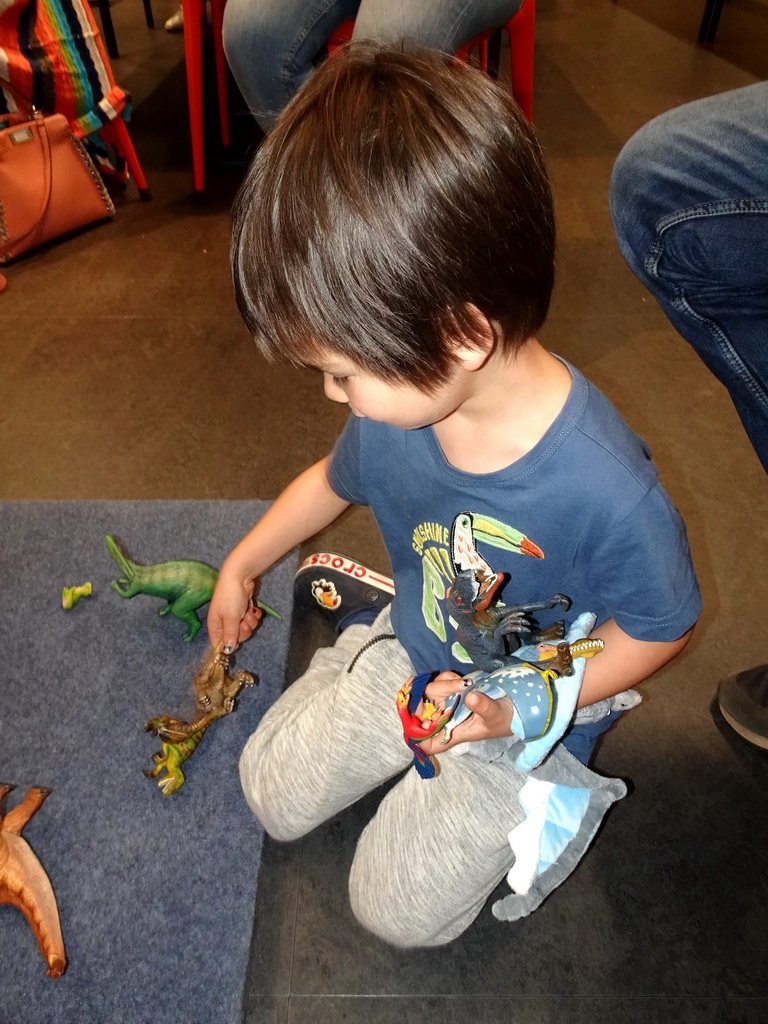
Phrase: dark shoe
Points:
(743, 700)
(340, 588)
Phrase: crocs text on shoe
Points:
(340, 587)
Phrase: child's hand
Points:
(489, 719)
(232, 616)
(443, 686)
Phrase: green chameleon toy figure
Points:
(185, 585)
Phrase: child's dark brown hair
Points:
(397, 191)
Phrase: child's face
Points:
(400, 405)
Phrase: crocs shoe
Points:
(743, 700)
(340, 588)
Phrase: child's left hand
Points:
(489, 719)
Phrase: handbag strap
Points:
(45, 146)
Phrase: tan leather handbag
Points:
(48, 183)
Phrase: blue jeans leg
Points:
(689, 201)
(271, 44)
(440, 24)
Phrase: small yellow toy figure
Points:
(71, 595)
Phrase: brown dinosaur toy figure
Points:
(215, 692)
(24, 883)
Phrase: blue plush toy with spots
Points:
(530, 688)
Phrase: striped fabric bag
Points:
(52, 54)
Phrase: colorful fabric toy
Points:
(417, 728)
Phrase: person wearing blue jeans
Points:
(271, 45)
(689, 202)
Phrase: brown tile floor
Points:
(126, 374)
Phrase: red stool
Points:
(519, 28)
(193, 52)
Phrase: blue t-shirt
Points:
(581, 514)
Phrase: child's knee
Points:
(270, 812)
(386, 914)
(401, 907)
(271, 794)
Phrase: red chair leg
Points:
(116, 133)
(521, 29)
(479, 43)
(193, 51)
(342, 35)
(217, 17)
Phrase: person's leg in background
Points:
(271, 45)
(689, 202)
(444, 25)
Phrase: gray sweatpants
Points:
(435, 849)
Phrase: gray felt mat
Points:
(156, 893)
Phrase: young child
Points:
(396, 232)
